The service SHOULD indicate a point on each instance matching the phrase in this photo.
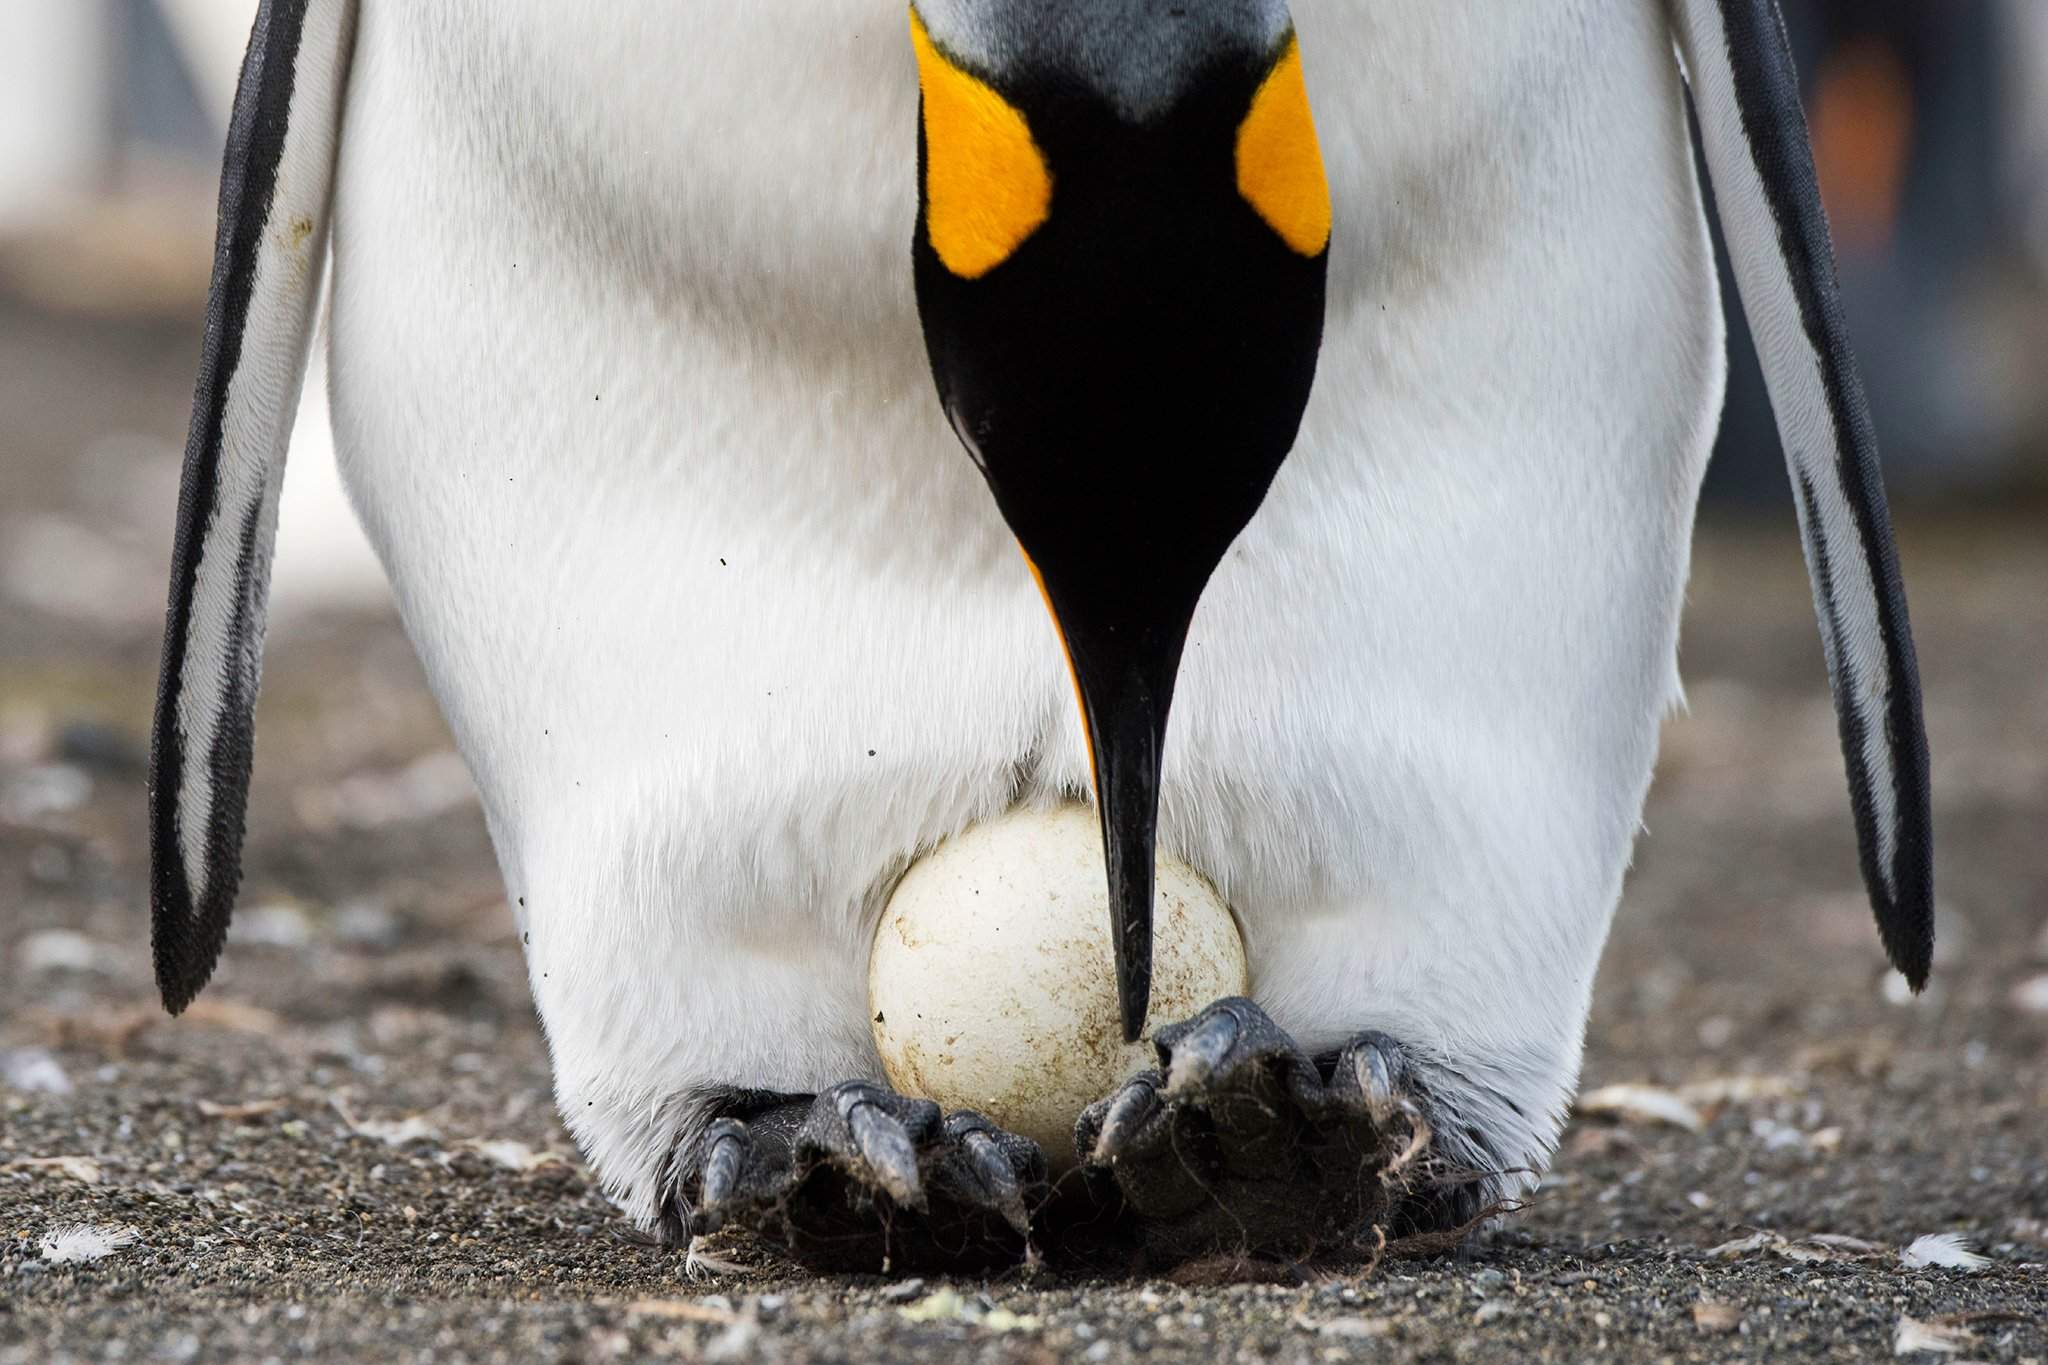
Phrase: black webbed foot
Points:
(860, 1178)
(1241, 1144)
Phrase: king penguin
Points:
(1344, 372)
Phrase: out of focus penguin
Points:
(1346, 377)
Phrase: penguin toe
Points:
(1107, 1126)
(727, 1145)
(859, 1178)
(872, 1136)
(1241, 1144)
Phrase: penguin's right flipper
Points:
(276, 187)
(1746, 92)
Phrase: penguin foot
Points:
(861, 1178)
(1242, 1144)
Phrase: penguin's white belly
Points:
(631, 396)
(652, 454)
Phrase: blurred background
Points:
(1930, 129)
(1930, 122)
(373, 966)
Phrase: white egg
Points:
(992, 985)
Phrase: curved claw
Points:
(1198, 1052)
(1127, 1112)
(725, 1153)
(1375, 1081)
(992, 1168)
(885, 1145)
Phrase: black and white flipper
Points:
(276, 186)
(1746, 91)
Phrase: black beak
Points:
(1128, 367)
(1124, 662)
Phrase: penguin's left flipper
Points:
(1241, 1144)
(859, 1178)
(276, 189)
(1738, 60)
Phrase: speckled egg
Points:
(992, 984)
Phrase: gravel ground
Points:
(346, 1151)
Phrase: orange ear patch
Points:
(987, 188)
(1280, 162)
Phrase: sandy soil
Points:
(347, 1150)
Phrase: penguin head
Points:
(1123, 228)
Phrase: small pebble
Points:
(1716, 1032)
(34, 1071)
(271, 926)
(52, 789)
(60, 950)
(1355, 1329)
(367, 924)
(736, 1342)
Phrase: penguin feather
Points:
(1746, 92)
(276, 186)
